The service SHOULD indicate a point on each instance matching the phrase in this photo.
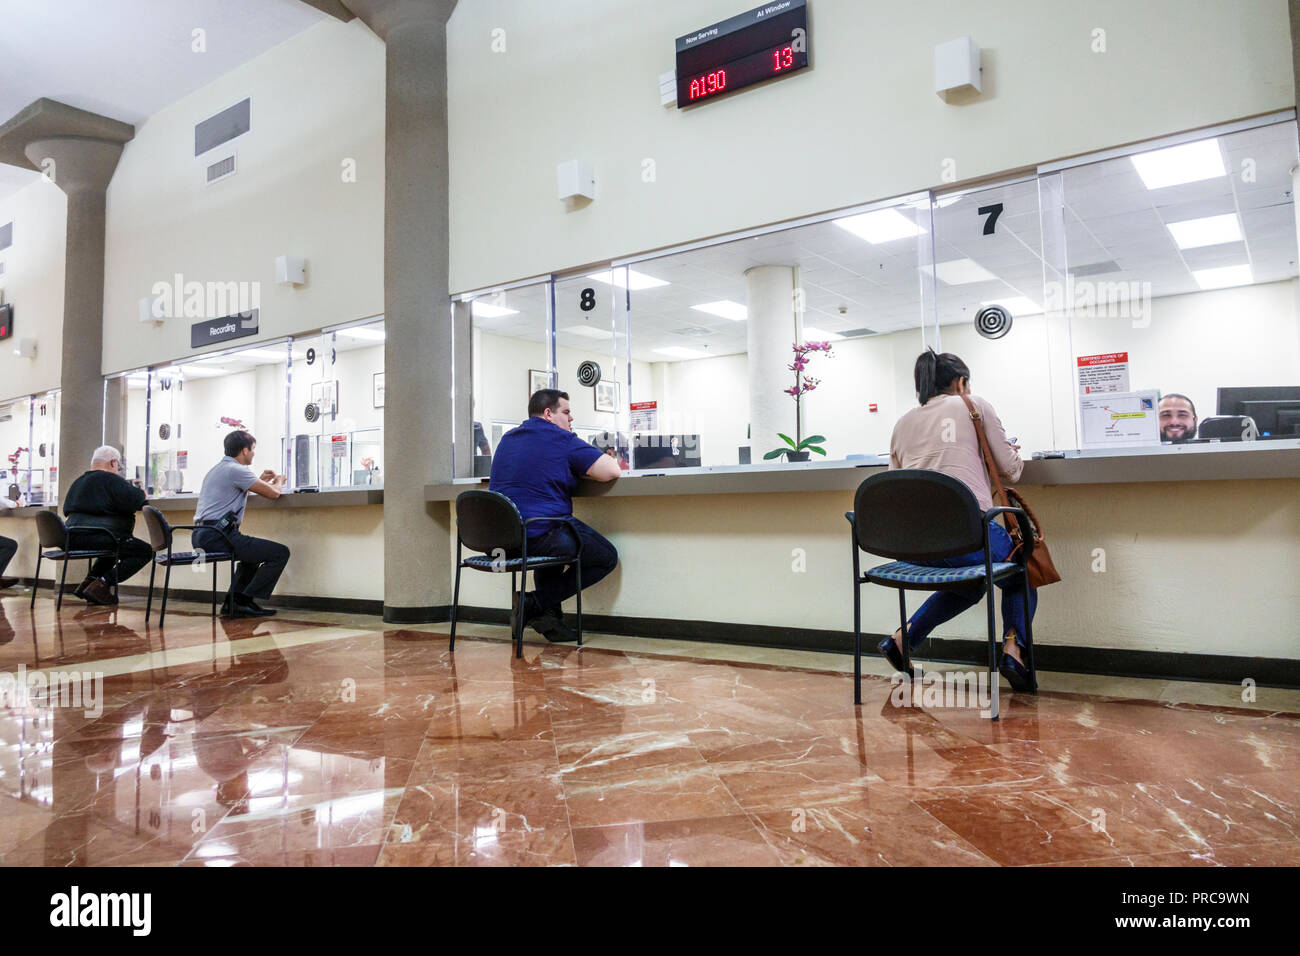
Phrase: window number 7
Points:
(992, 212)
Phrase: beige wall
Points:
(33, 284)
(579, 80)
(317, 102)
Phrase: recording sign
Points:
(762, 44)
(221, 330)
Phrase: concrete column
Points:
(418, 358)
(773, 327)
(79, 152)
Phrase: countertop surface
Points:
(1208, 462)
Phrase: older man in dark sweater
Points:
(102, 498)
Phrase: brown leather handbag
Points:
(1040, 568)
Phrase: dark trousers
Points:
(560, 582)
(8, 548)
(260, 561)
(943, 606)
(135, 555)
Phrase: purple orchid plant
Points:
(802, 385)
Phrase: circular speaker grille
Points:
(311, 412)
(588, 374)
(993, 321)
(164, 431)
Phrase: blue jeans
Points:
(945, 605)
(557, 583)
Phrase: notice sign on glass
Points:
(1107, 372)
(1120, 418)
(339, 446)
(645, 416)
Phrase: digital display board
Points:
(6, 321)
(761, 44)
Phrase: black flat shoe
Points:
(891, 653)
(1016, 673)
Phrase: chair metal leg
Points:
(58, 604)
(214, 589)
(907, 641)
(579, 567)
(857, 619)
(148, 602)
(1029, 640)
(36, 581)
(993, 648)
(230, 594)
(167, 581)
(455, 603)
(857, 638)
(519, 618)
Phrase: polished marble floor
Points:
(333, 740)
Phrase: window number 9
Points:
(311, 356)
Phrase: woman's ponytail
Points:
(935, 373)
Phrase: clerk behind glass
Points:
(222, 498)
(1177, 418)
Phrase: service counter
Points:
(336, 539)
(1177, 550)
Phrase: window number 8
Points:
(588, 300)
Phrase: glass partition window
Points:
(44, 479)
(806, 334)
(16, 447)
(503, 355)
(29, 431)
(189, 408)
(989, 297)
(336, 409)
(1127, 302)
(1181, 293)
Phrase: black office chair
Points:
(1228, 428)
(160, 539)
(55, 536)
(489, 522)
(914, 516)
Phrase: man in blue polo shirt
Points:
(538, 466)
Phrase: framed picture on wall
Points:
(377, 389)
(537, 380)
(606, 396)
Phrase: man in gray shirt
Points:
(222, 497)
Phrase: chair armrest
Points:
(567, 519)
(1028, 543)
(994, 512)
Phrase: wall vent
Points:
(221, 169)
(6, 235)
(222, 128)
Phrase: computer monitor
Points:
(665, 451)
(1274, 408)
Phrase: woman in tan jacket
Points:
(940, 436)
